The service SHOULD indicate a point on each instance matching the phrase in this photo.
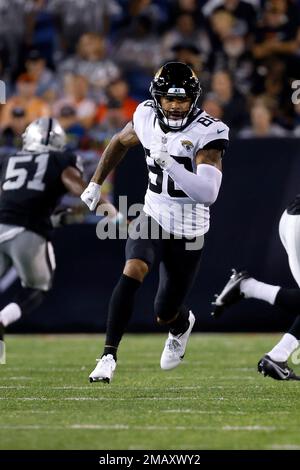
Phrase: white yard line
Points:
(249, 428)
(46, 412)
(175, 398)
(70, 387)
(203, 412)
(190, 411)
(125, 427)
(284, 447)
(21, 377)
(174, 377)
(14, 387)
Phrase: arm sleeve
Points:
(202, 187)
(67, 159)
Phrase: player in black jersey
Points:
(241, 285)
(32, 183)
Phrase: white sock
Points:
(259, 290)
(286, 346)
(10, 314)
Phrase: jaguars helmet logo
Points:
(187, 144)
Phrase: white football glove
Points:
(159, 153)
(91, 195)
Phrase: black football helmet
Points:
(176, 80)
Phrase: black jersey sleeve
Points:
(66, 159)
(219, 144)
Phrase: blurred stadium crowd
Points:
(89, 62)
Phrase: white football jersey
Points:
(164, 200)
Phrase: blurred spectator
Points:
(242, 11)
(137, 51)
(76, 96)
(138, 46)
(237, 59)
(73, 128)
(212, 106)
(189, 7)
(210, 5)
(91, 62)
(11, 135)
(25, 98)
(47, 85)
(190, 54)
(257, 43)
(12, 30)
(77, 17)
(232, 102)
(278, 31)
(41, 28)
(185, 30)
(158, 12)
(114, 118)
(271, 80)
(261, 124)
(118, 92)
(220, 26)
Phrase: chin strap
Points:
(177, 124)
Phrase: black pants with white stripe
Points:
(33, 258)
(31, 255)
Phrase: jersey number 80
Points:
(160, 175)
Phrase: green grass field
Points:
(214, 400)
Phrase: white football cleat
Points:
(175, 347)
(104, 370)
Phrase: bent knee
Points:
(136, 268)
(165, 317)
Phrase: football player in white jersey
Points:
(183, 148)
(240, 285)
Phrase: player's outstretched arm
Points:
(73, 182)
(111, 157)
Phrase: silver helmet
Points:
(44, 134)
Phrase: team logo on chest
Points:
(187, 144)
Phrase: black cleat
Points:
(230, 294)
(276, 370)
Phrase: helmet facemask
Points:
(169, 118)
